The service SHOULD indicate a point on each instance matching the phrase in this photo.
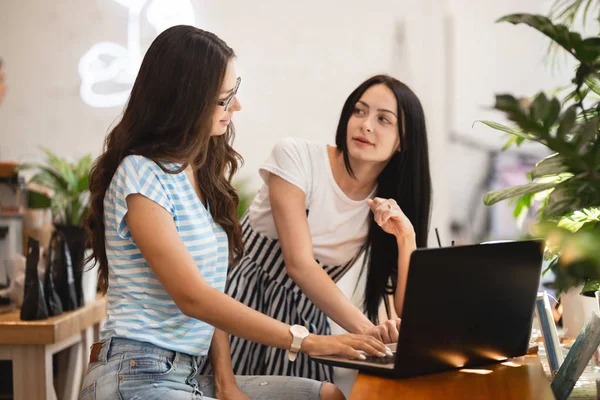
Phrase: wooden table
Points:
(31, 344)
(521, 378)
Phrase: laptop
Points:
(465, 307)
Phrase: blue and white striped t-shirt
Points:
(139, 308)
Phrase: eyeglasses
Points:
(226, 102)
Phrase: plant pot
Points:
(76, 239)
(577, 309)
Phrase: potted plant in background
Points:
(68, 182)
(566, 185)
(245, 196)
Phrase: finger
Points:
(382, 210)
(377, 344)
(393, 332)
(393, 329)
(386, 215)
(385, 332)
(349, 351)
(376, 334)
(378, 200)
(377, 217)
(371, 204)
(398, 322)
(373, 348)
(375, 202)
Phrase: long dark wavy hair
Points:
(168, 118)
(405, 178)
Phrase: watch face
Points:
(299, 330)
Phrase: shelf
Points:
(12, 180)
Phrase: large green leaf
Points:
(577, 95)
(583, 72)
(46, 169)
(73, 212)
(506, 129)
(49, 178)
(70, 183)
(575, 224)
(516, 140)
(83, 167)
(586, 134)
(557, 208)
(589, 49)
(558, 33)
(52, 159)
(593, 84)
(515, 112)
(595, 154)
(66, 172)
(83, 184)
(539, 107)
(522, 204)
(587, 114)
(62, 168)
(552, 113)
(567, 121)
(507, 193)
(590, 287)
(585, 50)
(571, 195)
(552, 165)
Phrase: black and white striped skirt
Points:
(260, 281)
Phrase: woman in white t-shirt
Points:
(320, 207)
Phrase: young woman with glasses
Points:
(163, 229)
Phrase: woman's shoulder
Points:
(296, 145)
(139, 171)
(138, 162)
(141, 166)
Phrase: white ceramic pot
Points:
(577, 309)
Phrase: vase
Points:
(76, 239)
(577, 310)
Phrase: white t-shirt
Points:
(338, 224)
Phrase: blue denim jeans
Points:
(127, 370)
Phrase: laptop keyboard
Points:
(380, 360)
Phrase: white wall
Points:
(299, 61)
(491, 58)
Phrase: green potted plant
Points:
(68, 182)
(567, 183)
(245, 194)
(565, 186)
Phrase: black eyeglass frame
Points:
(225, 103)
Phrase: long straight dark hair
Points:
(405, 178)
(168, 118)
